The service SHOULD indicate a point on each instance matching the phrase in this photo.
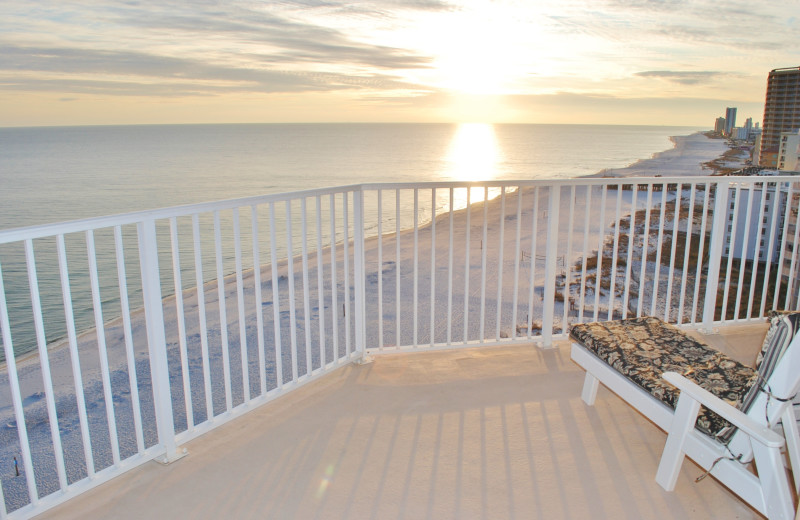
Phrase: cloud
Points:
(683, 77)
(166, 49)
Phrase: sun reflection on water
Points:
(473, 155)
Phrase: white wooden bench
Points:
(715, 410)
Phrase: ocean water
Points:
(56, 174)
(63, 173)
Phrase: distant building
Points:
(781, 112)
(748, 127)
(757, 149)
(719, 125)
(789, 151)
(750, 226)
(730, 120)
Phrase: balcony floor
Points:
(496, 432)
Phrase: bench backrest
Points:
(779, 366)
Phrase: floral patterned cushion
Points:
(642, 349)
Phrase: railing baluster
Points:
(156, 338)
(715, 254)
(359, 274)
(380, 270)
(259, 300)
(745, 248)
(334, 283)
(243, 351)
(276, 296)
(686, 256)
(733, 242)
(16, 397)
(180, 318)
(550, 266)
(758, 248)
(500, 259)
(585, 253)
(601, 223)
(450, 274)
(291, 282)
(517, 255)
(75, 361)
(101, 346)
(645, 249)
(306, 289)
(773, 226)
(612, 285)
(223, 312)
(631, 243)
(484, 251)
(201, 313)
(772, 220)
(415, 289)
(698, 274)
(568, 261)
(793, 265)
(783, 244)
(467, 266)
(397, 265)
(433, 265)
(660, 246)
(321, 286)
(673, 250)
(534, 236)
(346, 266)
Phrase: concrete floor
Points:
(498, 432)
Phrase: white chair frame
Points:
(769, 491)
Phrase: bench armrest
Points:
(756, 431)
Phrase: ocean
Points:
(56, 174)
(64, 173)
(52, 174)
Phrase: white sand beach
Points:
(685, 159)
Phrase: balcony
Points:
(462, 293)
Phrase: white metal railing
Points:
(127, 336)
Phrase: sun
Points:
(483, 50)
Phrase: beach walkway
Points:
(495, 432)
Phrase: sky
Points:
(659, 62)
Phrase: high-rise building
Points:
(789, 151)
(781, 112)
(719, 125)
(748, 127)
(730, 120)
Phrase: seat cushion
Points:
(642, 349)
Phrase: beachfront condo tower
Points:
(781, 112)
(730, 120)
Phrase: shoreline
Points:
(685, 152)
(398, 312)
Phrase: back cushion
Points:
(780, 334)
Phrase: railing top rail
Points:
(582, 181)
(80, 225)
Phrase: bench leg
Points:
(774, 483)
(589, 393)
(673, 454)
(792, 437)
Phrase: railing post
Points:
(716, 246)
(551, 263)
(360, 273)
(156, 339)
